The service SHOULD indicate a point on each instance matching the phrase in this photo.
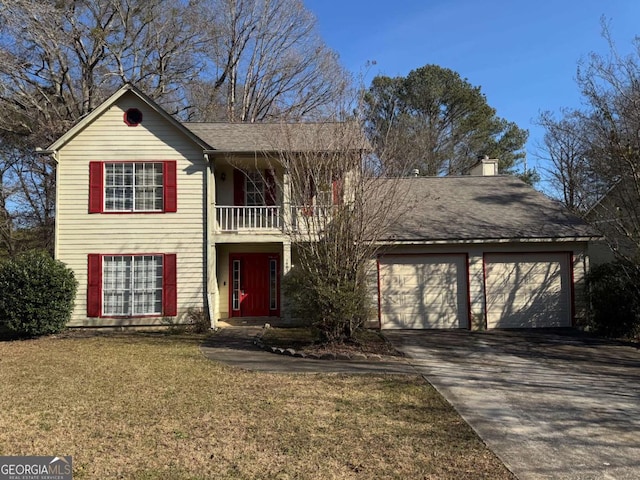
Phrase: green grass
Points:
(150, 406)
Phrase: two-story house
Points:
(155, 216)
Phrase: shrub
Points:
(337, 307)
(614, 293)
(37, 294)
(197, 320)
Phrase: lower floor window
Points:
(132, 285)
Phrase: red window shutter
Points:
(270, 187)
(94, 285)
(170, 186)
(337, 191)
(169, 286)
(96, 187)
(238, 188)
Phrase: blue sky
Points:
(523, 54)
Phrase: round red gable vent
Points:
(133, 117)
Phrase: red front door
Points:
(254, 281)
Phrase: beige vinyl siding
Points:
(79, 233)
(580, 266)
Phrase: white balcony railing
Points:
(311, 217)
(233, 219)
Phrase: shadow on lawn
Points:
(132, 336)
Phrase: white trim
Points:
(487, 240)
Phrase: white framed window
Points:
(254, 190)
(133, 187)
(235, 296)
(132, 285)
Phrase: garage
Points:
(528, 290)
(423, 291)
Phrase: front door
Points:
(255, 284)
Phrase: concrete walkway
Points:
(233, 345)
(548, 405)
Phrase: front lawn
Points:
(150, 406)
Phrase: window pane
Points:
(235, 298)
(132, 285)
(147, 285)
(255, 189)
(134, 187)
(148, 188)
(116, 285)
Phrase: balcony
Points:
(309, 218)
(270, 220)
(249, 219)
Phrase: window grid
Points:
(324, 197)
(255, 190)
(132, 285)
(134, 187)
(235, 296)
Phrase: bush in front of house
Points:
(614, 294)
(337, 306)
(37, 294)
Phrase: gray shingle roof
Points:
(274, 137)
(479, 208)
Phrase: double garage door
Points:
(529, 290)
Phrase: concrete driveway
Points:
(550, 405)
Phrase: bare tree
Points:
(58, 61)
(566, 146)
(596, 151)
(268, 62)
(611, 87)
(244, 60)
(61, 59)
(340, 210)
(8, 189)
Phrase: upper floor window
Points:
(130, 187)
(254, 189)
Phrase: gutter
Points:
(488, 240)
(52, 153)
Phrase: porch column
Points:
(286, 202)
(213, 296)
(476, 290)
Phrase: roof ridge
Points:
(222, 122)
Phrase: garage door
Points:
(427, 291)
(530, 290)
